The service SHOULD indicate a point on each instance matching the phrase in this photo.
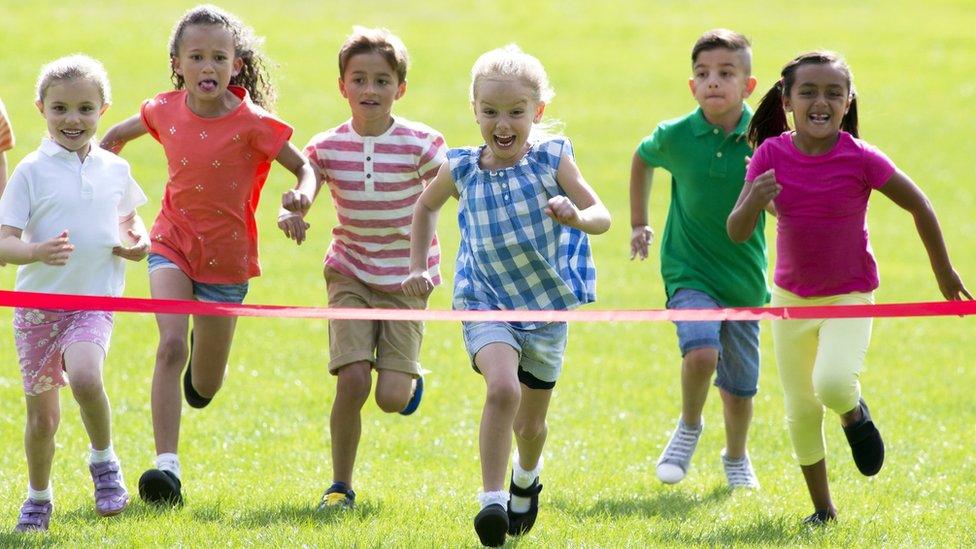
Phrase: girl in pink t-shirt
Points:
(817, 180)
(219, 144)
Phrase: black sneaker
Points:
(160, 488)
(520, 523)
(866, 444)
(491, 523)
(193, 398)
(819, 517)
(338, 496)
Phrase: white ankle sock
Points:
(169, 462)
(523, 479)
(40, 495)
(100, 456)
(489, 498)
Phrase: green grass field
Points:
(257, 460)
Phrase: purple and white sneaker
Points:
(111, 497)
(34, 516)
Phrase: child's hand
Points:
(293, 225)
(951, 286)
(640, 238)
(417, 283)
(562, 209)
(763, 190)
(137, 251)
(296, 201)
(54, 251)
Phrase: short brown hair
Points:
(725, 39)
(378, 40)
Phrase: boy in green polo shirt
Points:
(705, 152)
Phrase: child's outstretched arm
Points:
(904, 192)
(118, 135)
(296, 202)
(581, 208)
(752, 200)
(134, 237)
(424, 222)
(51, 252)
(641, 234)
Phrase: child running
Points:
(817, 180)
(68, 218)
(375, 165)
(219, 144)
(524, 210)
(6, 143)
(705, 152)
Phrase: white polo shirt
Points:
(52, 190)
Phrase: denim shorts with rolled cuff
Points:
(215, 293)
(737, 342)
(540, 350)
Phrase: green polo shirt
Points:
(707, 172)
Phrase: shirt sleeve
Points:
(878, 168)
(133, 197)
(760, 162)
(6, 132)
(15, 204)
(147, 112)
(311, 152)
(652, 149)
(269, 134)
(432, 157)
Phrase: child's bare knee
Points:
(701, 361)
(43, 424)
(530, 429)
(172, 352)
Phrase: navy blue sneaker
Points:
(414, 403)
(338, 496)
(193, 398)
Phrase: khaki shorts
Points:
(386, 344)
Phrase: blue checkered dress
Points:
(513, 256)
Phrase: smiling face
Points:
(371, 86)
(819, 99)
(720, 82)
(207, 62)
(72, 109)
(505, 109)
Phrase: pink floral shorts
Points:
(42, 336)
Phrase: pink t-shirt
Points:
(822, 243)
(375, 182)
(217, 167)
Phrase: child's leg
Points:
(171, 357)
(840, 359)
(738, 382)
(83, 362)
(737, 413)
(345, 423)
(393, 390)
(697, 368)
(212, 338)
(43, 417)
(531, 429)
(498, 363)
(815, 476)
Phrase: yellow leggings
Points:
(820, 361)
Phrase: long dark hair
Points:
(770, 117)
(254, 75)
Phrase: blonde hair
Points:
(510, 61)
(378, 40)
(74, 67)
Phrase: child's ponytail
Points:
(849, 122)
(769, 119)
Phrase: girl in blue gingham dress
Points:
(524, 210)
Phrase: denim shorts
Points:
(737, 342)
(540, 350)
(217, 293)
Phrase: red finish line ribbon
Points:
(172, 306)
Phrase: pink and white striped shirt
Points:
(375, 181)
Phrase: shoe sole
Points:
(157, 489)
(491, 528)
(113, 512)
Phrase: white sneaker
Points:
(673, 464)
(739, 472)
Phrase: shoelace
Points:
(681, 446)
(738, 472)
